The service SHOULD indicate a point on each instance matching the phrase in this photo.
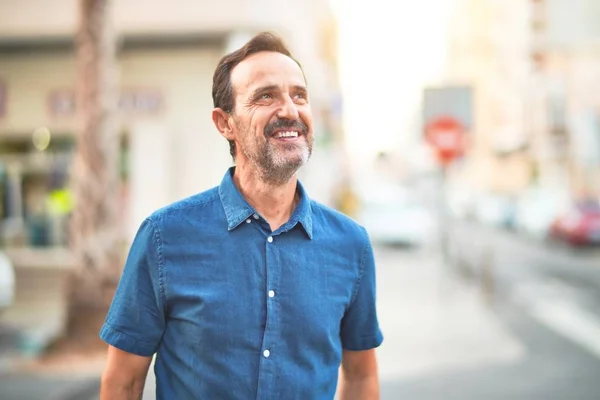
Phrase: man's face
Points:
(272, 118)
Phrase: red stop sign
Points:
(446, 136)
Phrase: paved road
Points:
(547, 297)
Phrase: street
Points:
(526, 327)
(544, 298)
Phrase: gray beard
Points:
(274, 169)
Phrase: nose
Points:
(288, 109)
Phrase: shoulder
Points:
(199, 205)
(335, 223)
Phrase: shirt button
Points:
(270, 239)
(271, 293)
(266, 353)
(248, 221)
(255, 216)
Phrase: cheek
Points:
(261, 120)
(249, 128)
(306, 117)
(257, 129)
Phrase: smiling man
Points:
(250, 290)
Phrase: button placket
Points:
(272, 330)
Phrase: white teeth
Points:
(287, 134)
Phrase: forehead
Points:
(266, 68)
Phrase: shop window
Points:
(35, 190)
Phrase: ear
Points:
(222, 122)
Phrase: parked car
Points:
(495, 210)
(536, 209)
(7, 282)
(393, 214)
(579, 226)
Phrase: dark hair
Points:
(222, 91)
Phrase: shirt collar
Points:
(237, 209)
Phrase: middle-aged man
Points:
(250, 290)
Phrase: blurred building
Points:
(534, 67)
(565, 51)
(167, 53)
(488, 52)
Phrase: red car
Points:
(580, 226)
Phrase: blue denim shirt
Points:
(236, 311)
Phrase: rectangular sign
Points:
(451, 101)
(131, 101)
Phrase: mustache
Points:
(280, 124)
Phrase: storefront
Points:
(169, 148)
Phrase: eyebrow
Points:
(268, 88)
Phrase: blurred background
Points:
(463, 134)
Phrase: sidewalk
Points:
(35, 387)
(433, 322)
(25, 327)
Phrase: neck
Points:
(275, 202)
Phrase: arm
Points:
(124, 375)
(359, 379)
(136, 319)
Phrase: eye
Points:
(301, 96)
(265, 96)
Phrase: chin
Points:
(296, 161)
(297, 154)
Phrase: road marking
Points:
(554, 304)
(569, 321)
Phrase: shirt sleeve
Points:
(136, 318)
(360, 326)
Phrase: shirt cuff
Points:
(123, 341)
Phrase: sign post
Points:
(445, 135)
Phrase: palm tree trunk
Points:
(95, 226)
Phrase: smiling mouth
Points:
(286, 135)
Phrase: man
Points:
(249, 290)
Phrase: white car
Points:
(537, 208)
(392, 215)
(7, 282)
(494, 210)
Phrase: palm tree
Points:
(95, 229)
